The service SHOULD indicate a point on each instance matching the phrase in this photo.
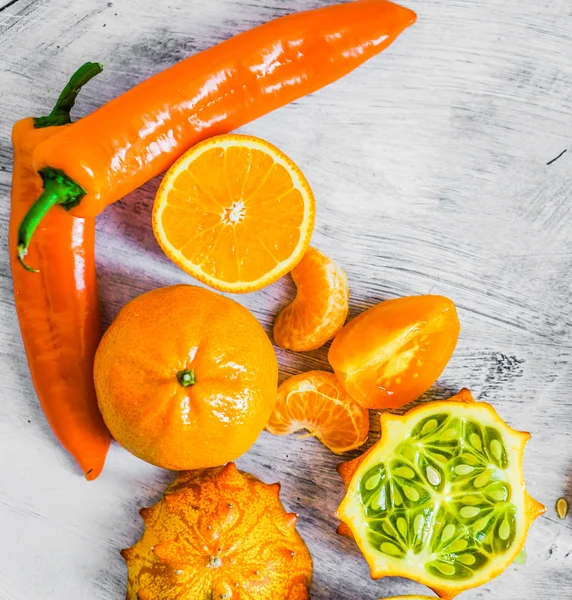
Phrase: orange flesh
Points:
(235, 213)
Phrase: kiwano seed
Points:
(562, 508)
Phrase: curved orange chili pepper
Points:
(58, 309)
(138, 135)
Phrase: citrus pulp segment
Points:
(234, 212)
(320, 308)
(316, 401)
(441, 498)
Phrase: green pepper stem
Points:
(60, 114)
(58, 189)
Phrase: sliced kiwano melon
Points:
(411, 598)
(440, 499)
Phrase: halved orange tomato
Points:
(392, 353)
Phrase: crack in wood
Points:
(557, 157)
(8, 5)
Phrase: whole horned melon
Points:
(221, 534)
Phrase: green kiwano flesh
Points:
(444, 492)
(440, 498)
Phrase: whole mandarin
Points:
(185, 378)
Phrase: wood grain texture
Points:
(430, 170)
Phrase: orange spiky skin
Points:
(411, 598)
(221, 534)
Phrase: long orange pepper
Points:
(138, 135)
(58, 309)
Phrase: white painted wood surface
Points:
(430, 170)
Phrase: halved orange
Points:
(320, 308)
(317, 402)
(235, 213)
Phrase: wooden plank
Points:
(430, 169)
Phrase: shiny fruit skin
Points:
(174, 330)
(395, 351)
(219, 533)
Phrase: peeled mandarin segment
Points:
(234, 212)
(440, 498)
(395, 351)
(315, 401)
(320, 308)
(218, 533)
